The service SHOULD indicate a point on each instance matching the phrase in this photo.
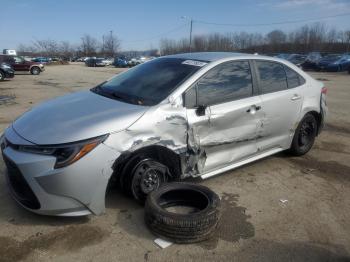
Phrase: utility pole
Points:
(191, 35)
(191, 25)
(103, 45)
(112, 44)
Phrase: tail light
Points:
(324, 90)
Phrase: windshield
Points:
(149, 83)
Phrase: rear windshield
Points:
(149, 83)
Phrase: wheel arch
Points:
(32, 66)
(319, 118)
(160, 153)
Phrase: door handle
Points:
(295, 97)
(253, 109)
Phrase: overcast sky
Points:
(140, 24)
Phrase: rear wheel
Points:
(304, 136)
(2, 76)
(142, 175)
(35, 70)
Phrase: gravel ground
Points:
(313, 225)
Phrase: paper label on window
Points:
(194, 63)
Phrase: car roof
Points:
(214, 56)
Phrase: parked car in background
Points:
(282, 55)
(108, 61)
(42, 60)
(133, 62)
(176, 117)
(137, 60)
(6, 71)
(120, 62)
(95, 62)
(334, 63)
(19, 64)
(56, 59)
(296, 59)
(311, 60)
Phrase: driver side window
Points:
(18, 59)
(224, 83)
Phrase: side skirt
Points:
(241, 163)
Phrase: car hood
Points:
(75, 117)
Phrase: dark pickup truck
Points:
(20, 64)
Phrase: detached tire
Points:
(198, 223)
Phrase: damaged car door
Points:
(223, 112)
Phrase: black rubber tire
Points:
(2, 76)
(35, 70)
(127, 178)
(183, 228)
(296, 148)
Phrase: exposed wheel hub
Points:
(150, 180)
(148, 175)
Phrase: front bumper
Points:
(76, 190)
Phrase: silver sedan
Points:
(179, 116)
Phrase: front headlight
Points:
(66, 154)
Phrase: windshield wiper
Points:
(118, 96)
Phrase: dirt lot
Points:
(313, 225)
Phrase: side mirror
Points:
(200, 110)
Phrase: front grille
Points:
(20, 188)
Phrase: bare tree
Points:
(276, 37)
(110, 45)
(88, 45)
(47, 47)
(66, 50)
(26, 48)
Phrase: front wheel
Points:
(35, 70)
(143, 175)
(2, 76)
(304, 136)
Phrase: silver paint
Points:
(224, 138)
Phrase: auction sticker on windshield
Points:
(194, 63)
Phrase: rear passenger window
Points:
(226, 82)
(272, 76)
(293, 78)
